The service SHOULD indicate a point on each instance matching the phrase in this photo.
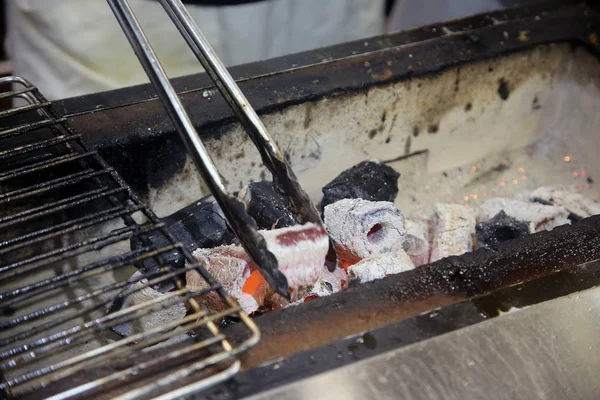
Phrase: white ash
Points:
(336, 278)
(379, 267)
(300, 251)
(155, 318)
(229, 265)
(329, 283)
(416, 243)
(453, 230)
(248, 303)
(574, 202)
(540, 217)
(366, 228)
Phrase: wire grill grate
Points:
(66, 223)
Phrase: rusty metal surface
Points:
(397, 297)
(442, 320)
(547, 351)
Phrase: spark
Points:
(523, 177)
(466, 198)
(574, 174)
(567, 158)
(515, 181)
(521, 170)
(474, 196)
(473, 168)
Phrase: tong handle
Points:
(284, 178)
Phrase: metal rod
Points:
(234, 210)
(42, 165)
(18, 130)
(58, 206)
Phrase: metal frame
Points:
(58, 201)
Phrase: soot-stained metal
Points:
(129, 126)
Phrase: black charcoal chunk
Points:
(499, 229)
(269, 208)
(201, 224)
(368, 180)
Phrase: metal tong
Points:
(284, 178)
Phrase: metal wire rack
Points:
(66, 222)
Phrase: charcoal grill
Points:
(528, 73)
(66, 222)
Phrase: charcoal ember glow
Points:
(363, 228)
(579, 206)
(539, 216)
(453, 231)
(229, 265)
(269, 208)
(300, 251)
(155, 318)
(499, 229)
(369, 180)
(416, 243)
(379, 267)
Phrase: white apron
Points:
(74, 47)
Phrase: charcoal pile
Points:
(373, 238)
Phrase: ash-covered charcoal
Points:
(453, 231)
(300, 251)
(369, 180)
(539, 217)
(155, 318)
(379, 267)
(416, 243)
(499, 229)
(201, 224)
(328, 284)
(363, 228)
(229, 265)
(269, 208)
(579, 206)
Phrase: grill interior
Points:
(66, 223)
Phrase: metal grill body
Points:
(66, 223)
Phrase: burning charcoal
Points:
(248, 304)
(230, 266)
(329, 283)
(416, 243)
(539, 216)
(579, 206)
(363, 228)
(369, 180)
(201, 224)
(267, 206)
(155, 318)
(300, 251)
(499, 229)
(453, 230)
(379, 267)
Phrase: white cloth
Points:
(408, 14)
(74, 47)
